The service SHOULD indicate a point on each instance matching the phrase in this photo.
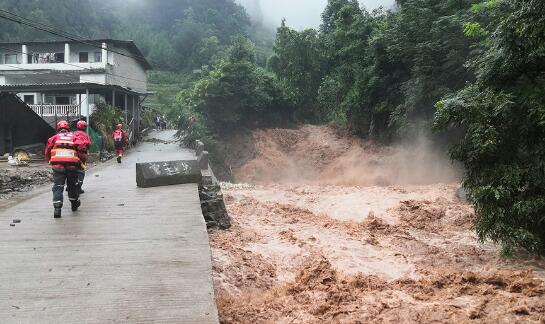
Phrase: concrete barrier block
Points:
(199, 147)
(156, 174)
(203, 160)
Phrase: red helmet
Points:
(119, 126)
(62, 124)
(82, 124)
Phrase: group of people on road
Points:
(67, 153)
(160, 122)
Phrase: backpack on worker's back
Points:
(118, 138)
(118, 135)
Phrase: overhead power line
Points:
(57, 32)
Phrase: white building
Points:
(68, 78)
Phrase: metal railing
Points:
(56, 110)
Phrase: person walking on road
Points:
(121, 141)
(86, 144)
(163, 123)
(64, 152)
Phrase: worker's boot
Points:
(58, 210)
(119, 159)
(75, 204)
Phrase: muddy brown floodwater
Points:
(319, 237)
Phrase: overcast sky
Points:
(303, 13)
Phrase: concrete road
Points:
(130, 255)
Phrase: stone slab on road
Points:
(167, 173)
(130, 255)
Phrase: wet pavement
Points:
(128, 255)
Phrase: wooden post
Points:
(134, 117)
(137, 113)
(126, 117)
(78, 99)
(113, 97)
(87, 108)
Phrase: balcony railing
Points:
(56, 110)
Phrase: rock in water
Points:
(461, 194)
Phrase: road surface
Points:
(130, 255)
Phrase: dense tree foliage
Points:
(182, 34)
(83, 17)
(503, 115)
(235, 94)
(297, 63)
(378, 73)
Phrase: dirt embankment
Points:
(331, 229)
(17, 180)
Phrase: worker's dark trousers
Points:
(72, 177)
(81, 177)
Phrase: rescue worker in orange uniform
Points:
(86, 144)
(64, 153)
(81, 132)
(121, 141)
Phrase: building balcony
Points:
(21, 68)
(56, 110)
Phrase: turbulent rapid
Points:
(328, 228)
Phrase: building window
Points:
(11, 59)
(62, 100)
(28, 99)
(49, 100)
(83, 57)
(98, 56)
(58, 58)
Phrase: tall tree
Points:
(503, 116)
(297, 62)
(236, 93)
(346, 47)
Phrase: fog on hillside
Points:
(299, 14)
